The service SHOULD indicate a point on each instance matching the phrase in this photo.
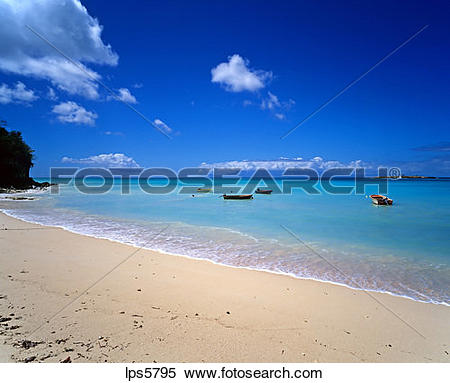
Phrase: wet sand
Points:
(63, 295)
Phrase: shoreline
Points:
(290, 275)
(270, 313)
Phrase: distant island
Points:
(16, 160)
(408, 177)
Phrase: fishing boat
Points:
(263, 191)
(237, 196)
(204, 190)
(378, 199)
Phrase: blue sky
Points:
(226, 80)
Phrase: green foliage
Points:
(16, 159)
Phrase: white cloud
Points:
(273, 104)
(124, 94)
(110, 133)
(16, 94)
(118, 160)
(71, 112)
(270, 102)
(317, 163)
(138, 85)
(162, 126)
(51, 94)
(235, 75)
(435, 166)
(68, 26)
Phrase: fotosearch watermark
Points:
(97, 180)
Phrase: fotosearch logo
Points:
(95, 180)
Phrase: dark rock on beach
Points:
(29, 359)
(26, 344)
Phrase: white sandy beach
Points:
(163, 308)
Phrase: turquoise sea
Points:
(403, 249)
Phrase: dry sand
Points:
(163, 308)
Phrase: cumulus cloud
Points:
(280, 116)
(67, 25)
(317, 163)
(16, 94)
(435, 166)
(124, 94)
(71, 112)
(236, 76)
(162, 126)
(111, 160)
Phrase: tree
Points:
(16, 159)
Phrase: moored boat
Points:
(237, 196)
(263, 191)
(378, 199)
(204, 190)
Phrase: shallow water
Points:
(403, 249)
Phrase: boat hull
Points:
(238, 196)
(381, 200)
